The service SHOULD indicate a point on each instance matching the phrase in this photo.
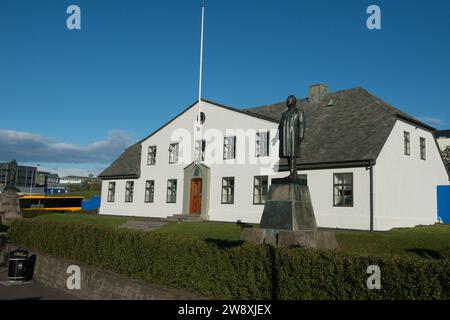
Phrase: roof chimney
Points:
(317, 92)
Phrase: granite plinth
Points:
(322, 240)
(9, 205)
(288, 218)
(288, 207)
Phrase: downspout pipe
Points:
(371, 194)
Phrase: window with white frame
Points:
(260, 188)
(173, 153)
(149, 191)
(262, 144)
(171, 191)
(111, 191)
(406, 143)
(228, 190)
(129, 190)
(229, 148)
(200, 146)
(423, 149)
(343, 189)
(151, 158)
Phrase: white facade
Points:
(404, 187)
(71, 180)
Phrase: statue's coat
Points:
(291, 132)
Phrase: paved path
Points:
(143, 224)
(30, 291)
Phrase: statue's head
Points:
(291, 101)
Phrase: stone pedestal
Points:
(9, 205)
(288, 207)
(288, 219)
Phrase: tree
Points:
(446, 155)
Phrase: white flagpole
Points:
(199, 120)
(201, 53)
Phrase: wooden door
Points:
(196, 197)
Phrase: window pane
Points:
(111, 191)
(149, 186)
(171, 191)
(348, 179)
(407, 147)
(151, 155)
(260, 189)
(173, 153)
(229, 146)
(129, 191)
(263, 198)
(343, 189)
(227, 190)
(422, 149)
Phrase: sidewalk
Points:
(31, 291)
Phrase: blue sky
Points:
(73, 100)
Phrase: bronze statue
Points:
(291, 134)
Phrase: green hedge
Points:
(242, 272)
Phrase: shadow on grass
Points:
(3, 228)
(227, 244)
(224, 244)
(426, 253)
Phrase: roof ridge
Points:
(395, 111)
(303, 98)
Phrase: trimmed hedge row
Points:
(241, 272)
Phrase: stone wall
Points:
(9, 205)
(98, 284)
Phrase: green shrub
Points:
(241, 272)
(3, 228)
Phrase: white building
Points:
(72, 180)
(368, 165)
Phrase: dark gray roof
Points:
(127, 165)
(354, 128)
(442, 134)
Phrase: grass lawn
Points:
(204, 230)
(85, 218)
(85, 194)
(430, 242)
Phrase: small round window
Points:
(202, 118)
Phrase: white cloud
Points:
(433, 121)
(72, 171)
(29, 147)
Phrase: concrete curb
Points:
(98, 284)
